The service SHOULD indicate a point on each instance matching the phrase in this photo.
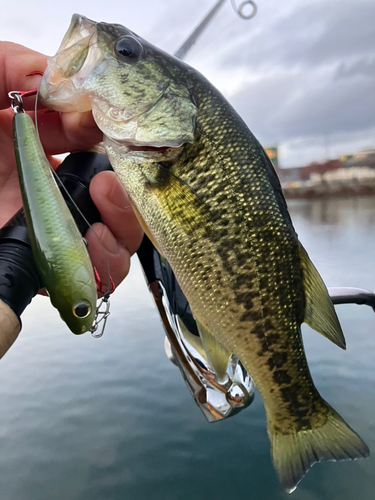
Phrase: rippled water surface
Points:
(86, 419)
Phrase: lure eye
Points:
(128, 49)
(82, 309)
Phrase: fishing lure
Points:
(58, 249)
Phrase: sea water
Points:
(111, 418)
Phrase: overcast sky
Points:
(301, 73)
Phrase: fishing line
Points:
(36, 113)
(60, 183)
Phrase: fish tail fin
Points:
(293, 453)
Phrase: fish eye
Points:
(128, 49)
(82, 309)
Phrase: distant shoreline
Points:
(336, 189)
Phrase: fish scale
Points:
(235, 182)
(209, 199)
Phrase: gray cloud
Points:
(314, 33)
(311, 71)
(309, 119)
(288, 106)
(363, 66)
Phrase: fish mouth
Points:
(143, 152)
(80, 27)
(62, 85)
(61, 82)
(145, 148)
(142, 148)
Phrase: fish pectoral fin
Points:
(217, 355)
(192, 339)
(143, 225)
(329, 438)
(320, 313)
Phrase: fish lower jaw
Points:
(63, 96)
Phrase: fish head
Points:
(138, 94)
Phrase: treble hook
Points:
(240, 10)
(99, 284)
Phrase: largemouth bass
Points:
(58, 249)
(208, 197)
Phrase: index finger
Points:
(59, 132)
(16, 62)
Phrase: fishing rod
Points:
(192, 39)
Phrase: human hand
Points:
(120, 233)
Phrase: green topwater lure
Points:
(59, 251)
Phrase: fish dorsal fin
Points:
(319, 311)
(217, 354)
